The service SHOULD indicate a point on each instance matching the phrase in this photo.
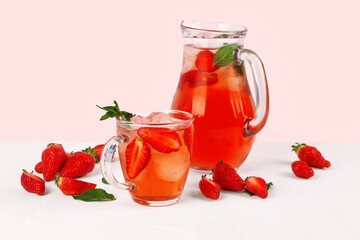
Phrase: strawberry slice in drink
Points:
(138, 154)
(197, 78)
(161, 139)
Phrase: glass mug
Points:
(213, 86)
(154, 157)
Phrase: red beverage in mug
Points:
(154, 156)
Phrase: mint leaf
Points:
(225, 55)
(114, 111)
(104, 181)
(95, 195)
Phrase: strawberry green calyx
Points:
(203, 176)
(50, 144)
(90, 151)
(296, 148)
(57, 179)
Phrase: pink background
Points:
(58, 59)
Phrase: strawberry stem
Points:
(296, 148)
(50, 144)
(57, 179)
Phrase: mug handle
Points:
(107, 155)
(253, 126)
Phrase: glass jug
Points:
(213, 86)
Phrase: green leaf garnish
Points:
(89, 150)
(114, 111)
(95, 195)
(104, 181)
(225, 55)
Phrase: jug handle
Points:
(107, 155)
(253, 126)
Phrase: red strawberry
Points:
(197, 78)
(204, 61)
(78, 164)
(302, 170)
(53, 157)
(98, 149)
(310, 155)
(257, 186)
(227, 177)
(39, 167)
(138, 154)
(32, 183)
(209, 188)
(68, 154)
(162, 139)
(70, 186)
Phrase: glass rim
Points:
(236, 29)
(190, 118)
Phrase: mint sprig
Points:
(225, 55)
(114, 111)
(95, 195)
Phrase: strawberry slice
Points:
(161, 139)
(209, 188)
(257, 186)
(204, 61)
(197, 78)
(138, 154)
(32, 183)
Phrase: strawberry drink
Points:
(213, 86)
(154, 155)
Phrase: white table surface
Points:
(327, 206)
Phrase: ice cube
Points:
(159, 117)
(138, 119)
(171, 168)
(154, 117)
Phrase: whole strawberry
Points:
(70, 186)
(53, 158)
(310, 155)
(97, 149)
(39, 167)
(209, 188)
(32, 183)
(302, 170)
(257, 186)
(227, 177)
(78, 164)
